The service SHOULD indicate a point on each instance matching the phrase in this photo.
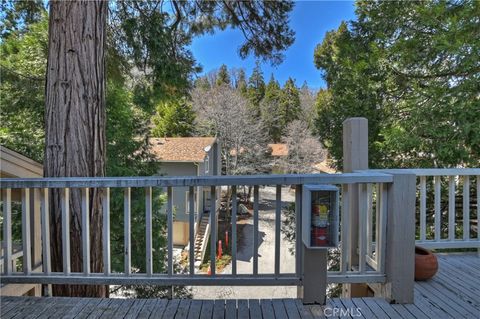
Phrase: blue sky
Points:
(309, 19)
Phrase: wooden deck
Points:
(453, 293)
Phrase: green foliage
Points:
(154, 35)
(271, 112)
(22, 65)
(412, 69)
(174, 118)
(241, 83)
(223, 77)
(264, 24)
(126, 135)
(17, 16)
(159, 56)
(290, 103)
(256, 89)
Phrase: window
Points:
(207, 164)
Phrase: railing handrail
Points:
(431, 171)
(179, 181)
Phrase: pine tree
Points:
(307, 104)
(290, 103)
(174, 118)
(241, 84)
(223, 77)
(270, 110)
(256, 89)
(202, 82)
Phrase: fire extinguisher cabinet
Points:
(320, 216)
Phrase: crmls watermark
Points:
(336, 312)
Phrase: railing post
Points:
(355, 157)
(400, 246)
(311, 263)
(314, 275)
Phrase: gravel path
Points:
(266, 256)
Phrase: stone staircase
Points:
(201, 238)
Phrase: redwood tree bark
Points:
(75, 126)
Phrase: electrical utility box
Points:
(320, 216)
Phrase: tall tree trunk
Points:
(75, 126)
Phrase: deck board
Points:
(219, 309)
(291, 309)
(194, 310)
(279, 309)
(135, 309)
(207, 309)
(170, 310)
(231, 309)
(254, 307)
(453, 293)
(242, 309)
(183, 308)
(147, 308)
(267, 309)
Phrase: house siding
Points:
(179, 194)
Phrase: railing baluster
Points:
(423, 208)
(148, 231)
(382, 235)
(7, 230)
(191, 227)
(362, 226)
(170, 231)
(451, 208)
(86, 230)
(466, 207)
(344, 233)
(26, 242)
(255, 230)
(377, 223)
(106, 230)
(438, 213)
(45, 220)
(278, 219)
(478, 210)
(65, 204)
(126, 231)
(234, 230)
(369, 219)
(298, 230)
(213, 229)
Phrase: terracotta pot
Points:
(426, 264)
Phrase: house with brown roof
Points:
(187, 156)
(278, 149)
(16, 165)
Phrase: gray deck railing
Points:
(446, 225)
(372, 262)
(446, 221)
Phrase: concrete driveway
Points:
(266, 258)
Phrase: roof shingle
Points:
(180, 149)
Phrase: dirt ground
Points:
(266, 254)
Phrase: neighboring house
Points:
(187, 156)
(13, 165)
(280, 150)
